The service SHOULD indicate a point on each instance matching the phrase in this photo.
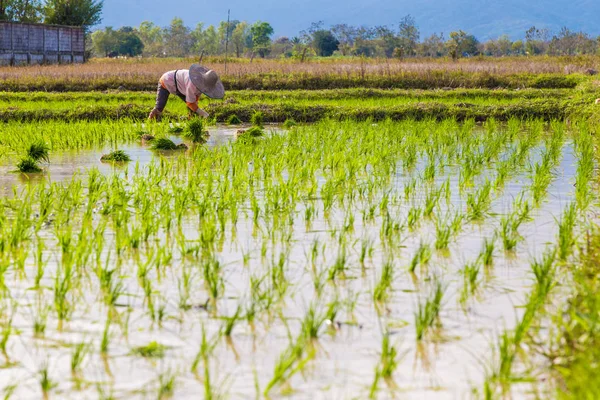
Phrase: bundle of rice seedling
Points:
(233, 120)
(116, 156)
(195, 131)
(257, 119)
(28, 165)
(39, 150)
(163, 144)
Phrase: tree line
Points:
(243, 39)
(85, 13)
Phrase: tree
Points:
(178, 41)
(123, 42)
(324, 43)
(225, 33)
(152, 38)
(536, 40)
(128, 42)
(282, 47)
(21, 10)
(239, 38)
(205, 41)
(518, 48)
(461, 43)
(363, 44)
(346, 35)
(261, 37)
(388, 41)
(84, 13)
(408, 35)
(504, 45)
(571, 43)
(104, 41)
(433, 46)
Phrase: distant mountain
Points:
(484, 18)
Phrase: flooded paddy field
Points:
(336, 260)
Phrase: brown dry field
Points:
(154, 67)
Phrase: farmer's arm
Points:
(191, 99)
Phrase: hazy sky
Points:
(484, 18)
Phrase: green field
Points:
(382, 243)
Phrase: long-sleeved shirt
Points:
(185, 86)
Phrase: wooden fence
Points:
(22, 44)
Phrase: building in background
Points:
(22, 44)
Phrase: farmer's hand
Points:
(155, 114)
(201, 113)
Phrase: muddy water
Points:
(346, 356)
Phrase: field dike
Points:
(550, 109)
(305, 81)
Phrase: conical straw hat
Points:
(207, 81)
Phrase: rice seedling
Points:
(9, 390)
(40, 320)
(387, 364)
(543, 270)
(166, 386)
(428, 311)
(509, 346)
(6, 331)
(207, 347)
(104, 394)
(443, 233)
(289, 123)
(566, 239)
(105, 337)
(487, 252)
(431, 201)
(471, 277)
(78, 354)
(479, 203)
(118, 156)
(384, 285)
(213, 280)
(389, 358)
(233, 120)
(231, 321)
(509, 231)
(312, 323)
(289, 362)
(46, 383)
(339, 267)
(421, 257)
(414, 217)
(151, 350)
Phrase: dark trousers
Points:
(162, 96)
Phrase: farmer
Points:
(188, 85)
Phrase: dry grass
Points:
(153, 68)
